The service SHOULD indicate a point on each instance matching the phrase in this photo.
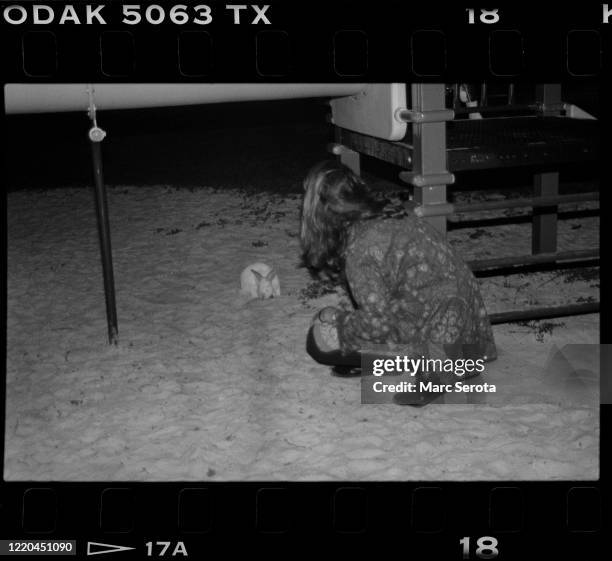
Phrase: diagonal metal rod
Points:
(105, 243)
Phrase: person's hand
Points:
(327, 315)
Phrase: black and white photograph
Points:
(196, 271)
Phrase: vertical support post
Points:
(455, 96)
(484, 97)
(544, 222)
(105, 241)
(429, 150)
(548, 96)
(348, 157)
(432, 195)
(510, 94)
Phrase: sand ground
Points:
(205, 386)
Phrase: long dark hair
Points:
(334, 198)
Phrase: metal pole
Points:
(544, 313)
(538, 259)
(429, 174)
(534, 202)
(515, 108)
(510, 94)
(484, 99)
(544, 222)
(348, 157)
(105, 240)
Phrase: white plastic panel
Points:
(39, 98)
(372, 111)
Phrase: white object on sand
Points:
(259, 280)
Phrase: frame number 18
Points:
(486, 547)
(485, 16)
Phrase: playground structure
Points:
(414, 127)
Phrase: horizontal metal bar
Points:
(419, 180)
(496, 108)
(540, 258)
(435, 116)
(543, 107)
(396, 153)
(535, 202)
(544, 313)
(443, 209)
(528, 202)
(439, 209)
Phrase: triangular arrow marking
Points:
(110, 548)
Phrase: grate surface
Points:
(519, 131)
(494, 143)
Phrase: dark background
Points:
(258, 145)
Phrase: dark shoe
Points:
(346, 371)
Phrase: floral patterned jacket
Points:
(410, 288)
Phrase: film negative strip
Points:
(172, 389)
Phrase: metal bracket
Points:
(568, 109)
(338, 149)
(438, 209)
(411, 116)
(419, 180)
(548, 99)
(550, 108)
(96, 134)
(347, 156)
